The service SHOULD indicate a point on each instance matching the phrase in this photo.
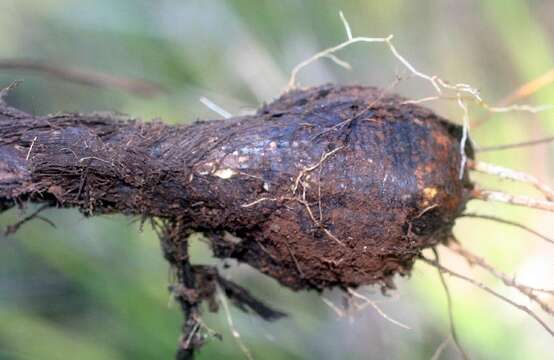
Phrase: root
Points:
(232, 327)
(525, 90)
(362, 112)
(453, 333)
(518, 200)
(244, 300)
(258, 201)
(296, 264)
(12, 229)
(317, 223)
(8, 89)
(31, 148)
(196, 284)
(302, 199)
(465, 134)
(463, 92)
(509, 281)
(437, 354)
(311, 168)
(215, 108)
(520, 108)
(460, 89)
(509, 174)
(491, 109)
(371, 303)
(438, 84)
(487, 289)
(508, 222)
(350, 306)
(340, 313)
(546, 140)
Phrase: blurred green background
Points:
(97, 288)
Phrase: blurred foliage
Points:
(97, 288)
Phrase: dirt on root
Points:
(355, 184)
(328, 186)
(332, 186)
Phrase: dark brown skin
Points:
(329, 186)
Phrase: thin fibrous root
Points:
(453, 333)
(215, 108)
(518, 200)
(520, 108)
(340, 313)
(462, 91)
(465, 135)
(509, 174)
(356, 294)
(437, 354)
(258, 201)
(6, 90)
(508, 222)
(302, 198)
(487, 289)
(525, 90)
(438, 83)
(509, 281)
(232, 327)
(492, 109)
(12, 229)
(545, 140)
(311, 168)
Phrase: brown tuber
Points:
(328, 186)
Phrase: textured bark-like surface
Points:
(329, 186)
